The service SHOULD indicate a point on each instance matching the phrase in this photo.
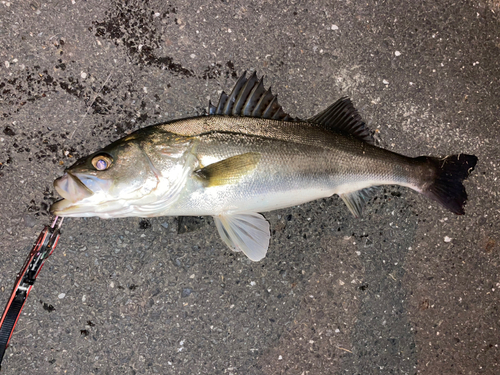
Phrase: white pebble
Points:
(385, 82)
(192, 55)
(397, 53)
(62, 295)
(447, 239)
(252, 283)
(83, 75)
(280, 358)
(335, 27)
(7, 64)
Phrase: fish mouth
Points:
(72, 189)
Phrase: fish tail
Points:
(448, 175)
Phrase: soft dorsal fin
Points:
(249, 98)
(343, 118)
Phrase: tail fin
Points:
(447, 187)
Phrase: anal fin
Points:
(246, 232)
(356, 200)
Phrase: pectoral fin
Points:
(248, 232)
(229, 171)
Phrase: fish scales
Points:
(295, 156)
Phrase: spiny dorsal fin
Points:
(211, 108)
(343, 118)
(249, 98)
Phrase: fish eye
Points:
(102, 162)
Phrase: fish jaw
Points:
(79, 200)
(71, 188)
(86, 195)
(58, 208)
(88, 208)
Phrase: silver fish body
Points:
(249, 157)
(298, 162)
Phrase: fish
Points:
(245, 157)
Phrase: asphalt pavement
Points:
(409, 288)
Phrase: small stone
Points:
(397, 53)
(61, 295)
(385, 82)
(186, 292)
(335, 27)
(30, 221)
(83, 75)
(447, 239)
(192, 56)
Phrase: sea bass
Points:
(248, 156)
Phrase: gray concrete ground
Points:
(409, 288)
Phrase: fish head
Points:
(106, 182)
